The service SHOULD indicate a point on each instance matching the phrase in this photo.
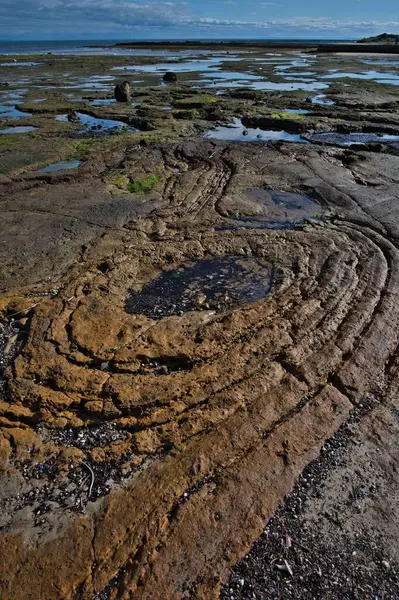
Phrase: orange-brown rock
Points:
(189, 366)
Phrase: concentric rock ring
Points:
(215, 411)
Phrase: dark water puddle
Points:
(12, 112)
(348, 139)
(61, 166)
(90, 122)
(280, 210)
(17, 130)
(237, 132)
(210, 284)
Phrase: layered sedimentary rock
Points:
(189, 364)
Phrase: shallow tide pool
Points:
(94, 123)
(61, 166)
(20, 129)
(12, 112)
(237, 132)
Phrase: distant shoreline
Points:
(310, 45)
(130, 46)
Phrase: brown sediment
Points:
(150, 446)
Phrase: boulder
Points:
(72, 116)
(170, 77)
(122, 92)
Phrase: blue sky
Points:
(140, 19)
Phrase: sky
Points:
(200, 19)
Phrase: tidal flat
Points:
(199, 356)
(213, 88)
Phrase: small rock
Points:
(200, 300)
(72, 116)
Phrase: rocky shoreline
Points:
(199, 337)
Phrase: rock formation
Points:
(122, 92)
(170, 77)
(146, 442)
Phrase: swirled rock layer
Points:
(193, 358)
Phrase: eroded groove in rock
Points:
(190, 363)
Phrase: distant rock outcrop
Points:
(122, 92)
(383, 38)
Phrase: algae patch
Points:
(144, 184)
(286, 115)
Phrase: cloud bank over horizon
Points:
(124, 19)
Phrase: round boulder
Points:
(122, 92)
(170, 77)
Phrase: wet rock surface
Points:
(186, 327)
(208, 284)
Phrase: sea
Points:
(108, 46)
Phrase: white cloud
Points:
(99, 18)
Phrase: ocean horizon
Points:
(18, 47)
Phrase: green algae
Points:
(286, 115)
(144, 184)
(10, 140)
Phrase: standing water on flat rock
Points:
(12, 112)
(348, 139)
(217, 284)
(322, 100)
(237, 132)
(14, 63)
(297, 111)
(61, 166)
(94, 123)
(17, 130)
(390, 78)
(273, 209)
(103, 101)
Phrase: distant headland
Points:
(383, 38)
